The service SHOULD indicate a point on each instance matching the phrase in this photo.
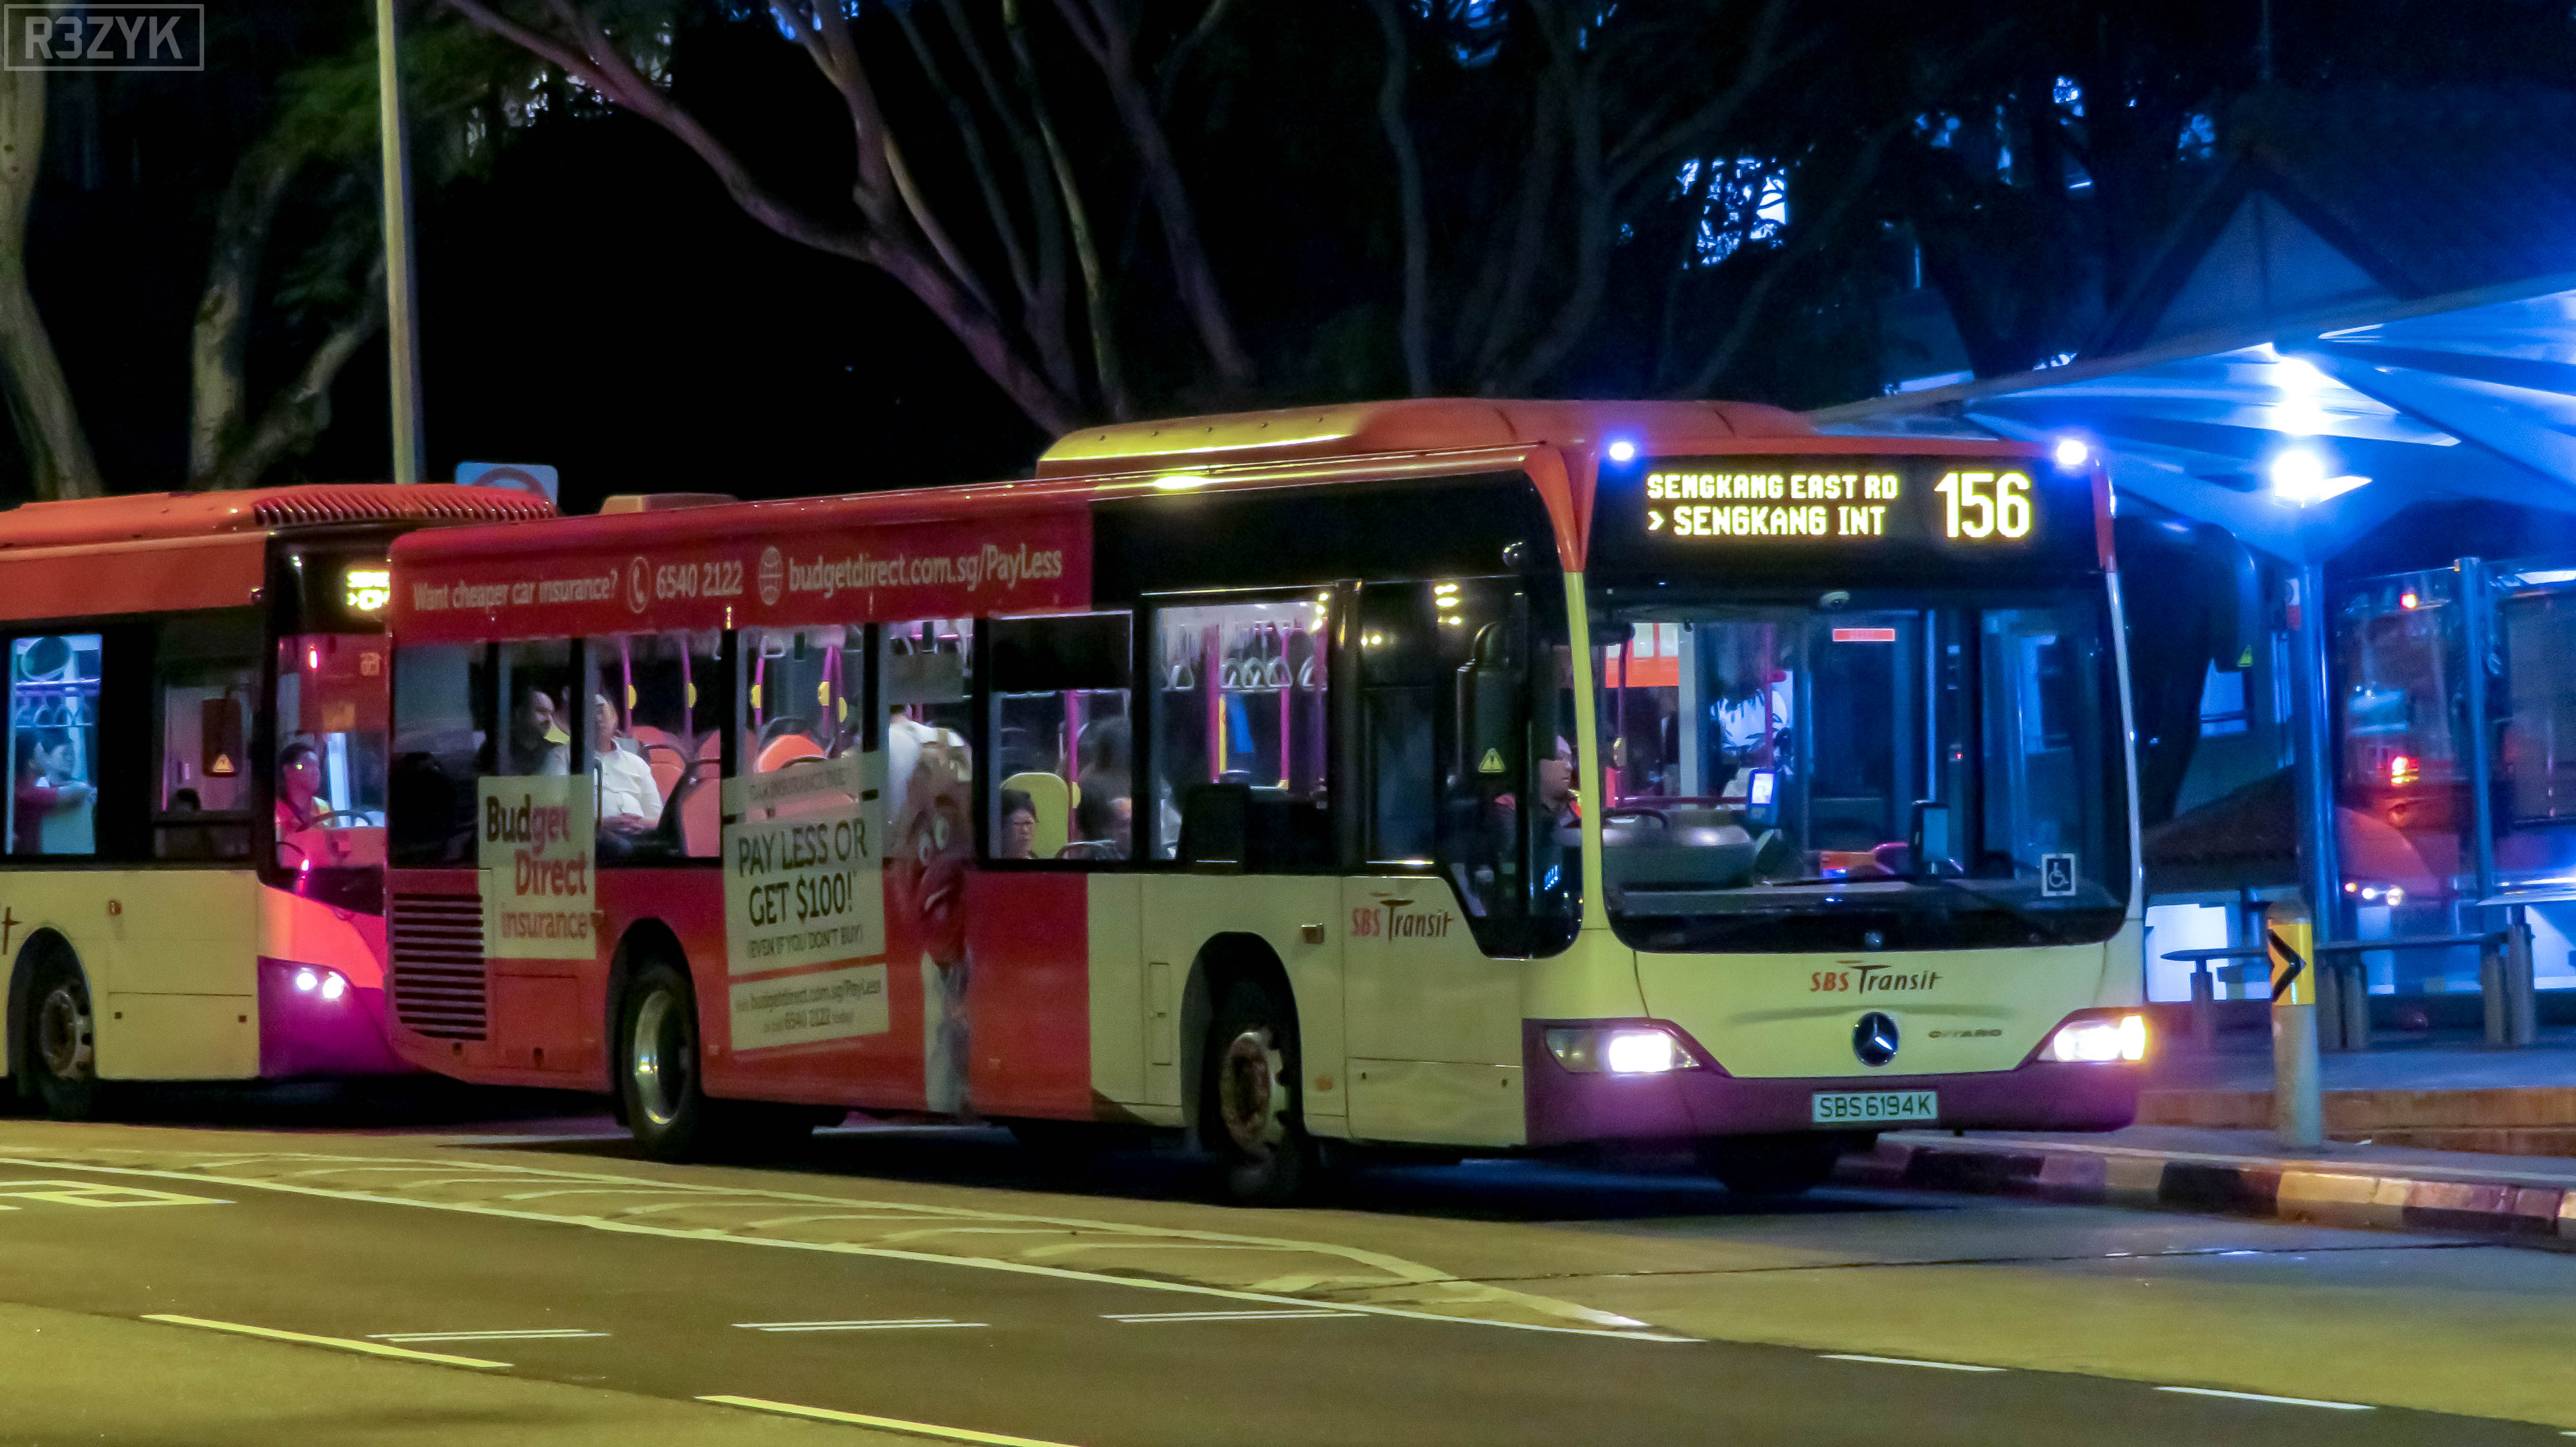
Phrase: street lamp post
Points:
(402, 292)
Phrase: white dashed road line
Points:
(882, 1424)
(538, 1334)
(1905, 1362)
(371, 1348)
(2259, 1397)
(902, 1325)
(1152, 1317)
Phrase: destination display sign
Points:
(1665, 511)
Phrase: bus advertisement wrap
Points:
(805, 887)
(533, 843)
(1034, 563)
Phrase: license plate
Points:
(1873, 1107)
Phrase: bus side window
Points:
(1059, 738)
(1240, 703)
(923, 686)
(443, 711)
(655, 715)
(53, 744)
(204, 676)
(534, 687)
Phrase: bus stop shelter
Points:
(2316, 413)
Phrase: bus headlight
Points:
(329, 984)
(1623, 1050)
(2099, 1038)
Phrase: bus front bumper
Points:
(1566, 1107)
(309, 1027)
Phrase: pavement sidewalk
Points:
(2517, 1200)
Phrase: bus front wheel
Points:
(62, 1055)
(1248, 1099)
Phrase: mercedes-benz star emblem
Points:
(1874, 1039)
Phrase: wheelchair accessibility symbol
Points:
(2056, 875)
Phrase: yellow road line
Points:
(886, 1424)
(373, 1349)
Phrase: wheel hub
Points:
(1248, 1096)
(63, 1034)
(659, 1058)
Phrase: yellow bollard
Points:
(2298, 1105)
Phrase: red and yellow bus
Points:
(1461, 776)
(193, 886)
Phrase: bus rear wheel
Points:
(660, 1084)
(62, 1040)
(1790, 1164)
(658, 1058)
(1248, 1099)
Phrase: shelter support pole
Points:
(2298, 1105)
(2504, 971)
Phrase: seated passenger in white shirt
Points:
(630, 802)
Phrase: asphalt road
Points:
(941, 1282)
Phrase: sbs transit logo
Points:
(773, 577)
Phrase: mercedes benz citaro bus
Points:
(1463, 776)
(193, 886)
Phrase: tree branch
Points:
(297, 416)
(40, 398)
(219, 394)
(1408, 184)
(597, 62)
(1112, 46)
(1105, 357)
(1813, 237)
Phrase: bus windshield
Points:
(1914, 770)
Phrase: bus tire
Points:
(1248, 1098)
(62, 1040)
(1789, 1164)
(658, 1078)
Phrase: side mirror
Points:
(1928, 841)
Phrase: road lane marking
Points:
(846, 1248)
(543, 1334)
(1907, 1362)
(371, 1348)
(902, 1325)
(2259, 1397)
(95, 1194)
(1147, 1318)
(882, 1424)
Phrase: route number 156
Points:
(1984, 504)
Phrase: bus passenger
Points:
(40, 764)
(1019, 826)
(630, 801)
(538, 743)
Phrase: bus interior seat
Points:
(701, 803)
(1052, 798)
(786, 749)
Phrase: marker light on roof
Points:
(2072, 453)
(1622, 450)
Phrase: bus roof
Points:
(1415, 424)
(156, 515)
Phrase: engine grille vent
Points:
(438, 964)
